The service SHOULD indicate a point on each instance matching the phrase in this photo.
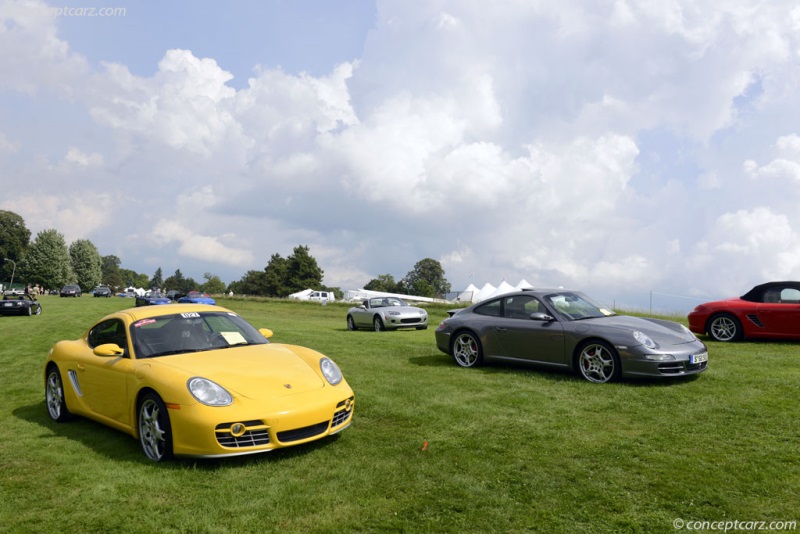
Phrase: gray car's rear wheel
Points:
(466, 349)
(351, 324)
(378, 324)
(155, 433)
(724, 327)
(598, 362)
(54, 396)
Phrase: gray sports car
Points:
(386, 313)
(567, 330)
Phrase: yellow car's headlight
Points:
(330, 371)
(208, 392)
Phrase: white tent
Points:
(484, 293)
(523, 284)
(468, 295)
(502, 289)
(301, 295)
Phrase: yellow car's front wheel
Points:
(155, 433)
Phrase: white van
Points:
(321, 296)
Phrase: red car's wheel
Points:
(724, 327)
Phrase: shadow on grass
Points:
(118, 446)
(546, 373)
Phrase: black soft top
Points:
(757, 293)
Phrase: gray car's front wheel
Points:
(155, 433)
(351, 324)
(378, 324)
(598, 362)
(466, 350)
(724, 327)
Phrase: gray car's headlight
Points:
(330, 371)
(208, 392)
(644, 339)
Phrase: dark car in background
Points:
(563, 329)
(15, 304)
(70, 291)
(769, 311)
(102, 291)
(152, 298)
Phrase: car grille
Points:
(411, 321)
(676, 368)
(256, 434)
(755, 320)
(343, 412)
(303, 433)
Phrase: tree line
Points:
(49, 262)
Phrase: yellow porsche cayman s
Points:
(196, 380)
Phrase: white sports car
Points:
(385, 313)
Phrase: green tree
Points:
(426, 279)
(14, 240)
(47, 261)
(158, 279)
(111, 275)
(213, 285)
(302, 272)
(384, 282)
(132, 278)
(252, 283)
(274, 281)
(86, 263)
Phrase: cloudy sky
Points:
(628, 148)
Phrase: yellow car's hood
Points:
(255, 371)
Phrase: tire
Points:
(29, 312)
(155, 432)
(378, 324)
(598, 362)
(466, 349)
(351, 324)
(724, 327)
(38, 310)
(54, 396)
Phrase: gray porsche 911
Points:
(567, 330)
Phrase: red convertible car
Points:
(770, 310)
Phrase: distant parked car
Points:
(195, 297)
(14, 304)
(322, 296)
(70, 291)
(566, 330)
(152, 298)
(102, 291)
(769, 311)
(386, 313)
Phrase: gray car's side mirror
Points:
(539, 316)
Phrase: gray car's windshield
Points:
(192, 332)
(573, 306)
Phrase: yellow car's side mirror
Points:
(266, 332)
(108, 349)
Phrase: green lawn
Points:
(509, 449)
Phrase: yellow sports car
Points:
(196, 380)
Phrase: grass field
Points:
(509, 449)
